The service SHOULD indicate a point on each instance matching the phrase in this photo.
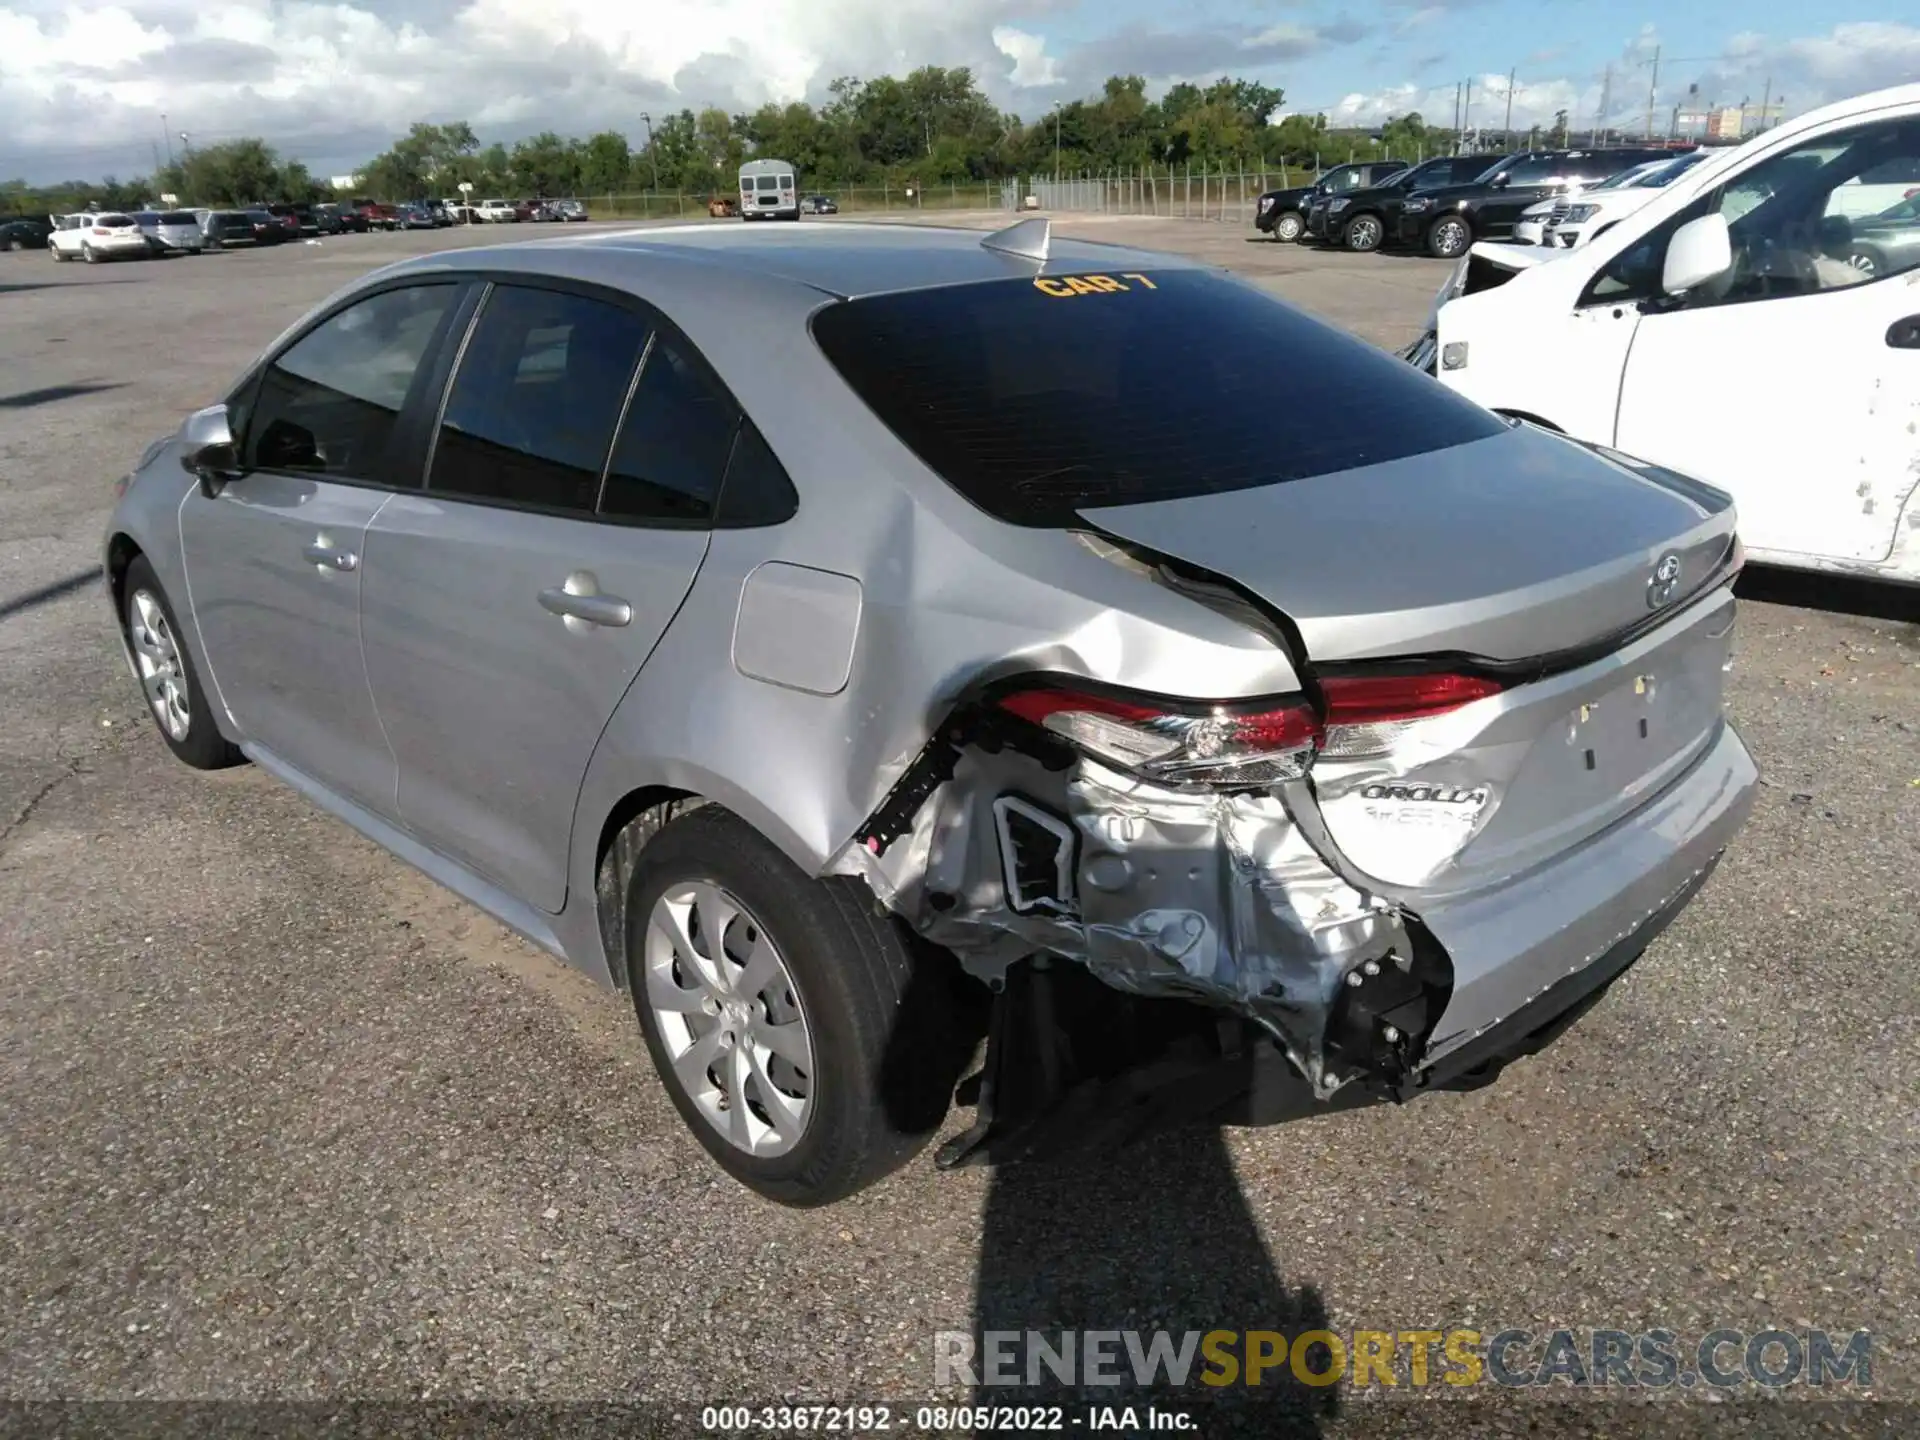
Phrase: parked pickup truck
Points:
(1283, 213)
(1756, 325)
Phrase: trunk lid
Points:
(1525, 558)
(1521, 545)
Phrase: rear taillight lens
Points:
(1368, 714)
(101, 230)
(1221, 746)
(1231, 746)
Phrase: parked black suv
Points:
(1361, 219)
(1283, 213)
(1446, 222)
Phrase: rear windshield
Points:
(1038, 398)
(111, 221)
(767, 182)
(179, 217)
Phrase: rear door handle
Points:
(1905, 334)
(325, 555)
(579, 602)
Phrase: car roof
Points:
(843, 260)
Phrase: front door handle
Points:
(580, 603)
(1905, 334)
(323, 554)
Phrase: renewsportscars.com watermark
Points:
(1514, 1358)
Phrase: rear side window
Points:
(674, 444)
(1036, 399)
(329, 402)
(534, 404)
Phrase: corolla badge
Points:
(1664, 581)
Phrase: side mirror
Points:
(1700, 250)
(1500, 181)
(210, 454)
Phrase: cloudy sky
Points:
(84, 84)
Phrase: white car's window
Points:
(1798, 222)
(329, 402)
(531, 415)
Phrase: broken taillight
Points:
(1217, 745)
(1234, 746)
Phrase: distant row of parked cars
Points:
(1441, 205)
(95, 235)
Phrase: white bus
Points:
(767, 191)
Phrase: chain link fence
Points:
(1178, 192)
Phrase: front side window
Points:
(534, 404)
(1541, 170)
(1346, 178)
(1803, 221)
(674, 445)
(329, 402)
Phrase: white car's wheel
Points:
(87, 254)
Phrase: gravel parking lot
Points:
(282, 1120)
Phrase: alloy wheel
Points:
(1449, 238)
(156, 654)
(1864, 263)
(729, 1016)
(1363, 234)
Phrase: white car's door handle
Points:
(326, 556)
(593, 607)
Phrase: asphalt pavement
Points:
(281, 1120)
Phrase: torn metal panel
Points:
(1195, 895)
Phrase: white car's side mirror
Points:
(1701, 250)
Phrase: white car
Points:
(91, 237)
(1727, 330)
(1531, 227)
(495, 212)
(1579, 218)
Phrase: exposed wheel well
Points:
(635, 819)
(121, 552)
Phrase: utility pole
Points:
(1766, 101)
(1466, 108)
(1056, 142)
(1456, 117)
(1506, 131)
(1652, 85)
(647, 120)
(1606, 104)
(169, 134)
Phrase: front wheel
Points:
(175, 696)
(1866, 262)
(1288, 228)
(1363, 234)
(16, 243)
(806, 1042)
(1449, 237)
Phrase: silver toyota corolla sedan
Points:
(855, 641)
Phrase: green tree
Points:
(605, 161)
(545, 164)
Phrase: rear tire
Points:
(86, 254)
(726, 937)
(176, 699)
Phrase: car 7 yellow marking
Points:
(1065, 287)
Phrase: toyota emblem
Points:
(1664, 581)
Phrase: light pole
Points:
(647, 120)
(1056, 142)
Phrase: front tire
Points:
(1449, 237)
(1363, 234)
(804, 1041)
(1287, 229)
(175, 697)
(1867, 262)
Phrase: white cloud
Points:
(1031, 64)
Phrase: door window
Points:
(329, 402)
(533, 408)
(1540, 170)
(1803, 221)
(673, 447)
